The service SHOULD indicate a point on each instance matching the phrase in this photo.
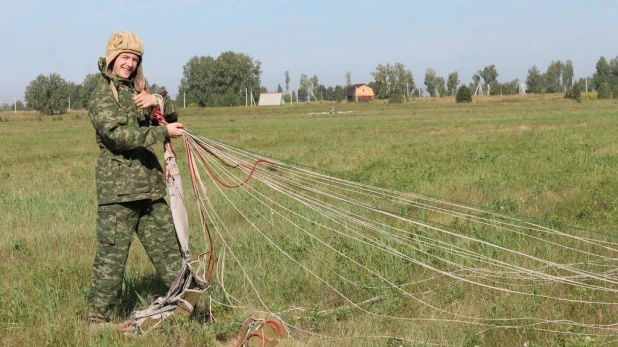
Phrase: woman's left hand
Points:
(145, 99)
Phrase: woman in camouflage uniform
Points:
(130, 184)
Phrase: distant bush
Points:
(396, 99)
(575, 93)
(604, 91)
(464, 94)
(223, 100)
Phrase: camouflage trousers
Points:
(116, 225)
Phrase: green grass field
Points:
(540, 157)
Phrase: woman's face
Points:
(125, 64)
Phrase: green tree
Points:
(315, 87)
(48, 94)
(489, 74)
(403, 81)
(382, 84)
(89, 84)
(340, 92)
(568, 75)
(452, 83)
(601, 78)
(574, 93)
(225, 78)
(604, 91)
(553, 77)
(74, 99)
(534, 81)
(430, 82)
(303, 88)
(389, 79)
(348, 79)
(463, 94)
(441, 86)
(508, 88)
(279, 89)
(613, 77)
(287, 82)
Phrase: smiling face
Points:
(125, 64)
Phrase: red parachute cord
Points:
(263, 338)
(212, 174)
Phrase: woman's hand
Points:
(145, 99)
(174, 130)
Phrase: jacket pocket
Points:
(131, 177)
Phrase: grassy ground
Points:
(537, 156)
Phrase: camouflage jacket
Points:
(127, 168)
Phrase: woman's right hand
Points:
(174, 130)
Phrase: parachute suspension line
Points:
(205, 205)
(226, 163)
(205, 271)
(345, 209)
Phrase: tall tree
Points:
(303, 88)
(287, 82)
(430, 82)
(534, 81)
(315, 87)
(452, 83)
(568, 75)
(382, 86)
(489, 74)
(348, 78)
(553, 77)
(613, 76)
(48, 94)
(339, 93)
(441, 86)
(602, 75)
(74, 100)
(403, 81)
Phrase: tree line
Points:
(232, 78)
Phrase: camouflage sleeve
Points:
(117, 130)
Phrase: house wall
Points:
(364, 91)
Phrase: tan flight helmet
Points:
(122, 42)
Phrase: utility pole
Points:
(15, 104)
(246, 97)
(184, 100)
(69, 103)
